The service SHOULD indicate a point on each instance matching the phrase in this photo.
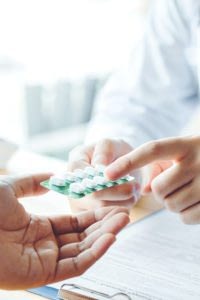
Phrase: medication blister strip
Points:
(82, 182)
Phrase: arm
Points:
(152, 99)
(157, 93)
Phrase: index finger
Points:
(165, 149)
(78, 223)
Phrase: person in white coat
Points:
(155, 97)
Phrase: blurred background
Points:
(55, 55)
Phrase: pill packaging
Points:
(82, 182)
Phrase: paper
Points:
(157, 258)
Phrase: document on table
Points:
(157, 258)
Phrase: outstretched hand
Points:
(175, 179)
(36, 250)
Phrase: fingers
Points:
(153, 171)
(184, 198)
(77, 223)
(24, 186)
(185, 201)
(76, 266)
(80, 157)
(108, 150)
(102, 153)
(67, 238)
(70, 238)
(115, 211)
(123, 195)
(76, 259)
(116, 193)
(172, 179)
(166, 149)
(112, 225)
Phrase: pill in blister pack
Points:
(82, 182)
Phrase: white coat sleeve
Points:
(156, 95)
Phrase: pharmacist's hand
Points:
(102, 153)
(36, 250)
(178, 185)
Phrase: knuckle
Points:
(76, 266)
(74, 223)
(154, 148)
(79, 237)
(127, 163)
(81, 246)
(82, 236)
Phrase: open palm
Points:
(38, 250)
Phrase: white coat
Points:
(158, 93)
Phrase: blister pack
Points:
(82, 182)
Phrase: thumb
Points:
(28, 185)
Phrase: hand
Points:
(36, 250)
(178, 186)
(151, 172)
(102, 153)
